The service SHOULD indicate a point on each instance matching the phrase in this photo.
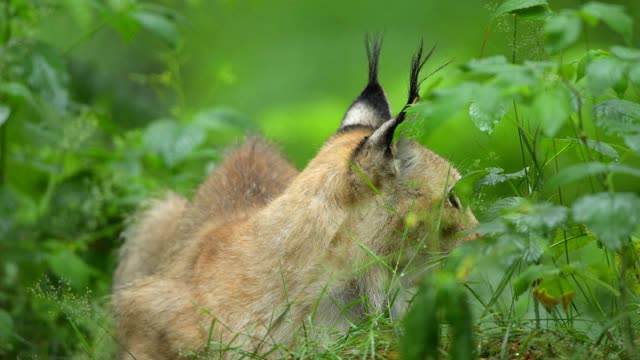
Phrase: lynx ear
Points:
(382, 137)
(371, 108)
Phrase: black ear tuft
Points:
(371, 107)
(417, 62)
(384, 135)
(373, 55)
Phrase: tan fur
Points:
(150, 238)
(248, 264)
(263, 250)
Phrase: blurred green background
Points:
(117, 100)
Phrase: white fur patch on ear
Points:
(405, 155)
(361, 113)
(380, 134)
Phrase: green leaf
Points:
(421, 326)
(5, 111)
(491, 65)
(539, 216)
(521, 7)
(612, 217)
(440, 297)
(70, 267)
(618, 117)
(458, 316)
(531, 274)
(602, 147)
(171, 140)
(496, 176)
(159, 25)
(603, 74)
(119, 14)
(633, 142)
(612, 15)
(488, 109)
(552, 108)
(464, 188)
(534, 248)
(17, 90)
(501, 206)
(626, 53)
(599, 146)
(218, 118)
(441, 105)
(589, 57)
(561, 31)
(580, 171)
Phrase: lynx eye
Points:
(453, 200)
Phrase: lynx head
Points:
(401, 197)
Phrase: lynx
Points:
(263, 249)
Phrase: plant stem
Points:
(627, 328)
(515, 107)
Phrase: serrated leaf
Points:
(501, 206)
(618, 117)
(580, 171)
(5, 111)
(488, 109)
(534, 247)
(552, 108)
(603, 148)
(603, 74)
(521, 6)
(158, 25)
(561, 31)
(612, 15)
(540, 216)
(613, 217)
(496, 176)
